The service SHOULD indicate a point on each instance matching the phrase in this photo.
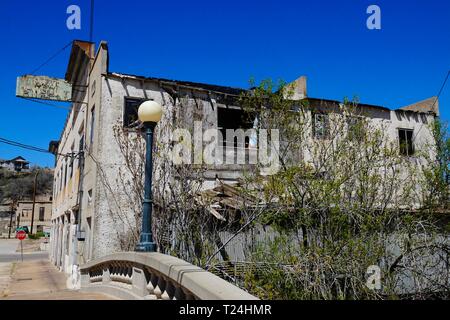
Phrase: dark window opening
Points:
(65, 172)
(405, 137)
(72, 159)
(321, 125)
(92, 126)
(75, 215)
(130, 112)
(234, 119)
(41, 213)
(81, 150)
(355, 128)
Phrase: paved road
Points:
(15, 257)
(8, 252)
(8, 246)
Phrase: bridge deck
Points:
(40, 280)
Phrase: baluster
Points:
(179, 294)
(162, 283)
(189, 296)
(129, 275)
(158, 291)
(152, 281)
(170, 290)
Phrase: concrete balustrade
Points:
(155, 276)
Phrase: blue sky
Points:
(228, 43)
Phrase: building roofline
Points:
(339, 102)
(194, 85)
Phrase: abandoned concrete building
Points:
(89, 157)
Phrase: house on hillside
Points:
(91, 213)
(18, 164)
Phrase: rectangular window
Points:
(405, 137)
(320, 125)
(57, 185)
(80, 150)
(92, 126)
(355, 128)
(65, 172)
(130, 112)
(72, 159)
(41, 213)
(61, 177)
(228, 118)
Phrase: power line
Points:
(30, 147)
(24, 146)
(91, 27)
(47, 103)
(51, 58)
(442, 89)
(435, 100)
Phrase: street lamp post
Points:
(149, 113)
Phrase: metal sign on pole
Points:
(43, 88)
(21, 235)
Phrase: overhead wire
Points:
(436, 100)
(51, 58)
(32, 148)
(47, 103)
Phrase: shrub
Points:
(36, 236)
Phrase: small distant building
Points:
(18, 164)
(14, 215)
(7, 220)
(42, 214)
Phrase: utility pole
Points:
(10, 223)
(91, 27)
(34, 201)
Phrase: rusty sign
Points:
(44, 88)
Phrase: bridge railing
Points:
(155, 276)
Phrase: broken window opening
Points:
(234, 119)
(41, 214)
(406, 142)
(355, 127)
(130, 112)
(321, 125)
(91, 136)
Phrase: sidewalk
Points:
(5, 277)
(40, 280)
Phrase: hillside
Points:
(18, 186)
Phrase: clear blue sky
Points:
(227, 43)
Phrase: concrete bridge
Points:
(127, 275)
(155, 276)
